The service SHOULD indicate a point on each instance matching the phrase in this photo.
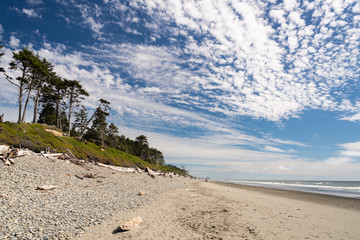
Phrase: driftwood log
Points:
(46, 187)
(150, 172)
(8, 154)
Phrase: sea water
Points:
(350, 189)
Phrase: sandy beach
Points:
(228, 211)
(171, 208)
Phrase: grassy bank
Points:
(36, 138)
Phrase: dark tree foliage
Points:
(97, 132)
(46, 73)
(80, 122)
(48, 115)
(142, 147)
(112, 137)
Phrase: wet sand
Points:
(229, 211)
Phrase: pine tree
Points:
(142, 147)
(98, 130)
(48, 115)
(39, 73)
(103, 105)
(80, 123)
(74, 92)
(46, 74)
(112, 135)
(21, 61)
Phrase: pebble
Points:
(75, 205)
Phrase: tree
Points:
(39, 73)
(103, 105)
(21, 61)
(156, 157)
(46, 74)
(142, 147)
(74, 92)
(112, 135)
(81, 120)
(98, 130)
(48, 114)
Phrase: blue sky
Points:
(229, 89)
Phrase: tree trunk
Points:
(21, 86)
(36, 103)
(58, 114)
(88, 122)
(69, 116)
(28, 98)
(20, 101)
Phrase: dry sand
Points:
(228, 211)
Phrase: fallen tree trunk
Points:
(150, 172)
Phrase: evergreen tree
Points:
(48, 115)
(98, 130)
(46, 74)
(38, 74)
(103, 105)
(142, 147)
(156, 157)
(74, 92)
(80, 120)
(21, 61)
(112, 135)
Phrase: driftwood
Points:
(79, 177)
(119, 169)
(52, 155)
(8, 155)
(132, 223)
(46, 187)
(150, 172)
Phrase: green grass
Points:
(36, 138)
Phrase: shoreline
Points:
(325, 199)
(213, 210)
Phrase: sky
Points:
(230, 89)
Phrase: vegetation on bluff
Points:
(55, 101)
(36, 137)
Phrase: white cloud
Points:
(14, 42)
(339, 160)
(34, 2)
(290, 4)
(273, 149)
(88, 14)
(353, 146)
(31, 13)
(353, 118)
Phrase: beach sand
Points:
(228, 211)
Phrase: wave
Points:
(338, 188)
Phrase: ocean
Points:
(349, 189)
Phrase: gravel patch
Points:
(76, 204)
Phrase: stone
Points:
(130, 224)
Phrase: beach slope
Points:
(228, 211)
